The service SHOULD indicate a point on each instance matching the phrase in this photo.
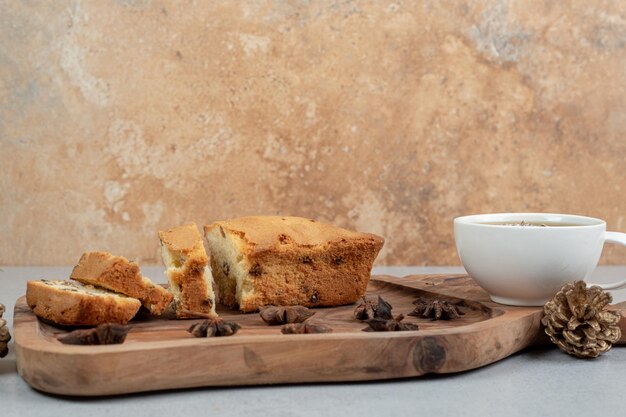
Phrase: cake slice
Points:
(70, 303)
(188, 271)
(116, 273)
(264, 260)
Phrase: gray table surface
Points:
(536, 382)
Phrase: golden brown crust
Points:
(118, 274)
(332, 275)
(187, 271)
(83, 306)
(263, 233)
(292, 260)
(186, 240)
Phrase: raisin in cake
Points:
(70, 303)
(264, 260)
(118, 274)
(188, 271)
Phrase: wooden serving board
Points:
(160, 354)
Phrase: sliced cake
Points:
(264, 260)
(70, 303)
(188, 271)
(118, 274)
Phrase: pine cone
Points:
(5, 336)
(577, 323)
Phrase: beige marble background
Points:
(118, 118)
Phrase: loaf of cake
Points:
(70, 303)
(188, 271)
(263, 260)
(116, 273)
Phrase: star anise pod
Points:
(391, 325)
(369, 310)
(104, 334)
(305, 328)
(435, 309)
(274, 315)
(213, 327)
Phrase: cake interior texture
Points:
(187, 271)
(71, 303)
(77, 287)
(264, 260)
(229, 267)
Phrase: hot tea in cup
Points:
(525, 258)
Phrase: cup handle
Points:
(620, 239)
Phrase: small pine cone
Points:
(577, 323)
(5, 336)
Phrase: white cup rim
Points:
(481, 220)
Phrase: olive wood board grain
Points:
(160, 354)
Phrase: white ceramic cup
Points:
(527, 265)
